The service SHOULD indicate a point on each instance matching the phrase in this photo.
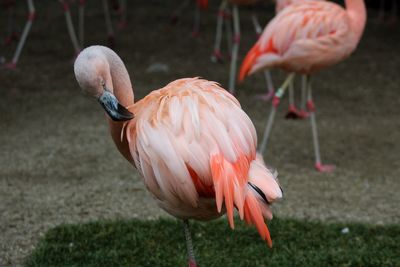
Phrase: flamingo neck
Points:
(121, 86)
(358, 15)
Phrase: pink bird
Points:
(192, 143)
(305, 38)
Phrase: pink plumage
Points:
(308, 36)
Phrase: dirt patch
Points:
(58, 163)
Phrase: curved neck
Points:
(122, 89)
(358, 15)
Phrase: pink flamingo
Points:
(191, 142)
(305, 38)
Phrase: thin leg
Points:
(70, 26)
(110, 30)
(217, 56)
(311, 108)
(270, 86)
(303, 112)
(81, 22)
(235, 49)
(27, 28)
(292, 113)
(228, 29)
(189, 244)
(256, 24)
(275, 103)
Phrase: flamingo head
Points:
(92, 72)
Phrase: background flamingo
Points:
(193, 144)
(305, 38)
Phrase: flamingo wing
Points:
(183, 132)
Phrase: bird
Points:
(193, 145)
(303, 39)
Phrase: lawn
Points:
(161, 243)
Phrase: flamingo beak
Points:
(114, 109)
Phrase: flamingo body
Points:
(192, 143)
(306, 37)
(196, 149)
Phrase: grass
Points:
(161, 243)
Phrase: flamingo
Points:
(191, 142)
(305, 38)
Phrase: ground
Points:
(59, 165)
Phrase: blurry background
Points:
(58, 163)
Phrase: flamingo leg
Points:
(70, 27)
(110, 30)
(25, 32)
(217, 56)
(228, 29)
(275, 103)
(189, 244)
(311, 107)
(292, 113)
(81, 22)
(235, 49)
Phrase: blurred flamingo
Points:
(191, 142)
(305, 38)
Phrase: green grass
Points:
(161, 243)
